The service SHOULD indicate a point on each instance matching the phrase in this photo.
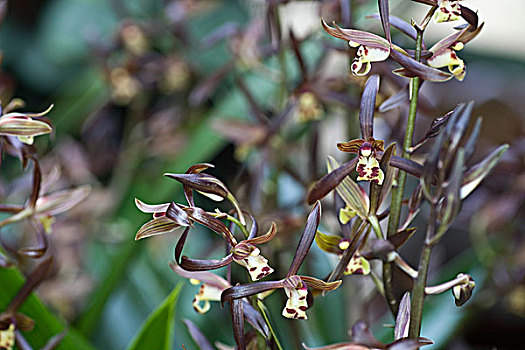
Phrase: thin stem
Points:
(262, 307)
(238, 223)
(399, 189)
(375, 225)
(418, 290)
(377, 281)
(397, 192)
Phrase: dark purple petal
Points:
(202, 182)
(379, 249)
(254, 318)
(254, 230)
(236, 308)
(470, 16)
(399, 238)
(399, 24)
(180, 245)
(419, 69)
(179, 216)
(204, 265)
(37, 181)
(452, 201)
(407, 165)
(385, 18)
(203, 218)
(307, 238)
(245, 290)
(328, 182)
(264, 238)
(368, 105)
(338, 271)
(9, 208)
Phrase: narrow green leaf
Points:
(46, 324)
(157, 331)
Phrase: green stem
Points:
(378, 283)
(262, 307)
(397, 192)
(399, 189)
(418, 290)
(375, 225)
(239, 224)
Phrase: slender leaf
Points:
(157, 331)
(46, 324)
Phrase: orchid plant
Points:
(369, 200)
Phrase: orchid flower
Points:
(444, 51)
(295, 286)
(448, 11)
(24, 126)
(211, 287)
(371, 47)
(170, 216)
(357, 265)
(367, 165)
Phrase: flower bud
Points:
(462, 292)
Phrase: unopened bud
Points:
(462, 292)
